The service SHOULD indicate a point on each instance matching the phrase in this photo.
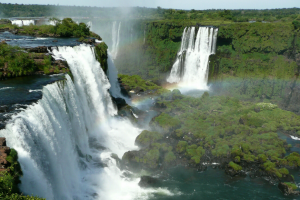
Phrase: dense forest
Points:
(241, 15)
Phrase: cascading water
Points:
(115, 39)
(65, 140)
(192, 64)
(22, 22)
(112, 74)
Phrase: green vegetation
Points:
(147, 137)
(291, 185)
(167, 122)
(63, 28)
(229, 128)
(20, 10)
(14, 61)
(101, 55)
(136, 83)
(10, 179)
(235, 166)
(261, 50)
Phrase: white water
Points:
(6, 88)
(90, 24)
(192, 64)
(112, 74)
(115, 39)
(23, 22)
(295, 138)
(64, 139)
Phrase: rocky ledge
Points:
(288, 188)
(4, 152)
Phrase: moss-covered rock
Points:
(102, 55)
(147, 137)
(235, 166)
(288, 188)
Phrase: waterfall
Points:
(112, 74)
(192, 64)
(90, 24)
(64, 141)
(115, 39)
(23, 22)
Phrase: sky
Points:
(176, 4)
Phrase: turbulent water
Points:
(192, 64)
(23, 22)
(65, 140)
(115, 39)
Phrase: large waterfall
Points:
(115, 39)
(112, 74)
(192, 64)
(65, 140)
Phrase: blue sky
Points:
(177, 4)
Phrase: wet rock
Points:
(60, 64)
(287, 178)
(130, 161)
(54, 41)
(286, 189)
(4, 151)
(120, 102)
(138, 90)
(4, 29)
(2, 142)
(40, 49)
(148, 181)
(117, 159)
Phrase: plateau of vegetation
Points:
(62, 28)
(15, 61)
(137, 84)
(218, 129)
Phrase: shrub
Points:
(169, 157)
(147, 137)
(235, 166)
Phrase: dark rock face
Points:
(119, 102)
(4, 151)
(148, 181)
(90, 41)
(284, 188)
(41, 49)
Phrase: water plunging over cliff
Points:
(65, 140)
(112, 74)
(22, 22)
(192, 64)
(115, 39)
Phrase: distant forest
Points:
(20, 10)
